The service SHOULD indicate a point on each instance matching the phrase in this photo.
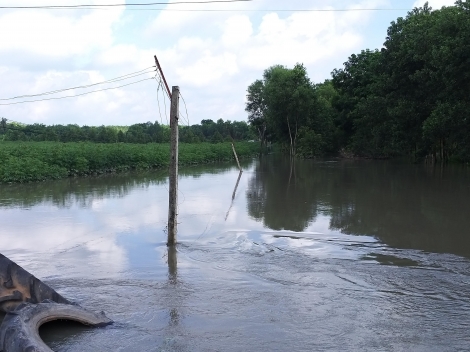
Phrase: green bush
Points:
(36, 161)
(27, 169)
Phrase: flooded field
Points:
(310, 256)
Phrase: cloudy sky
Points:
(212, 55)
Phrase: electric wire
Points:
(164, 102)
(88, 6)
(164, 92)
(163, 87)
(272, 10)
(160, 84)
(77, 95)
(113, 80)
(185, 107)
(158, 100)
(102, 7)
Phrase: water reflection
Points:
(172, 265)
(286, 274)
(105, 221)
(283, 195)
(82, 191)
(234, 193)
(173, 281)
(405, 206)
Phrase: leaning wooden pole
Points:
(236, 157)
(163, 76)
(173, 191)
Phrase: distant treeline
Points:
(411, 98)
(207, 131)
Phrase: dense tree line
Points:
(410, 98)
(207, 131)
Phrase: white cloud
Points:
(209, 68)
(301, 37)
(228, 50)
(237, 31)
(44, 33)
(212, 56)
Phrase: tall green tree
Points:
(256, 109)
(283, 106)
(362, 114)
(427, 58)
(412, 97)
(290, 100)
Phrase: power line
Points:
(186, 108)
(160, 84)
(270, 10)
(162, 81)
(164, 102)
(113, 80)
(244, 10)
(77, 95)
(225, 10)
(91, 6)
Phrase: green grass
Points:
(37, 161)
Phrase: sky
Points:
(213, 56)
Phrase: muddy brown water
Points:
(310, 256)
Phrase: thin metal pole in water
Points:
(173, 191)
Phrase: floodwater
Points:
(310, 256)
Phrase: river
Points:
(304, 256)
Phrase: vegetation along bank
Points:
(410, 98)
(37, 161)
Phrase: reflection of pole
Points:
(172, 263)
(173, 277)
(236, 157)
(173, 191)
(290, 174)
(233, 194)
(236, 186)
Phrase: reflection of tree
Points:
(83, 190)
(280, 193)
(404, 206)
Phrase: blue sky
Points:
(212, 55)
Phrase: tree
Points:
(281, 103)
(256, 108)
(362, 115)
(3, 125)
(427, 56)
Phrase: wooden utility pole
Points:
(174, 95)
(173, 191)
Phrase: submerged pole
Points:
(173, 179)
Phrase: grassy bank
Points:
(37, 161)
